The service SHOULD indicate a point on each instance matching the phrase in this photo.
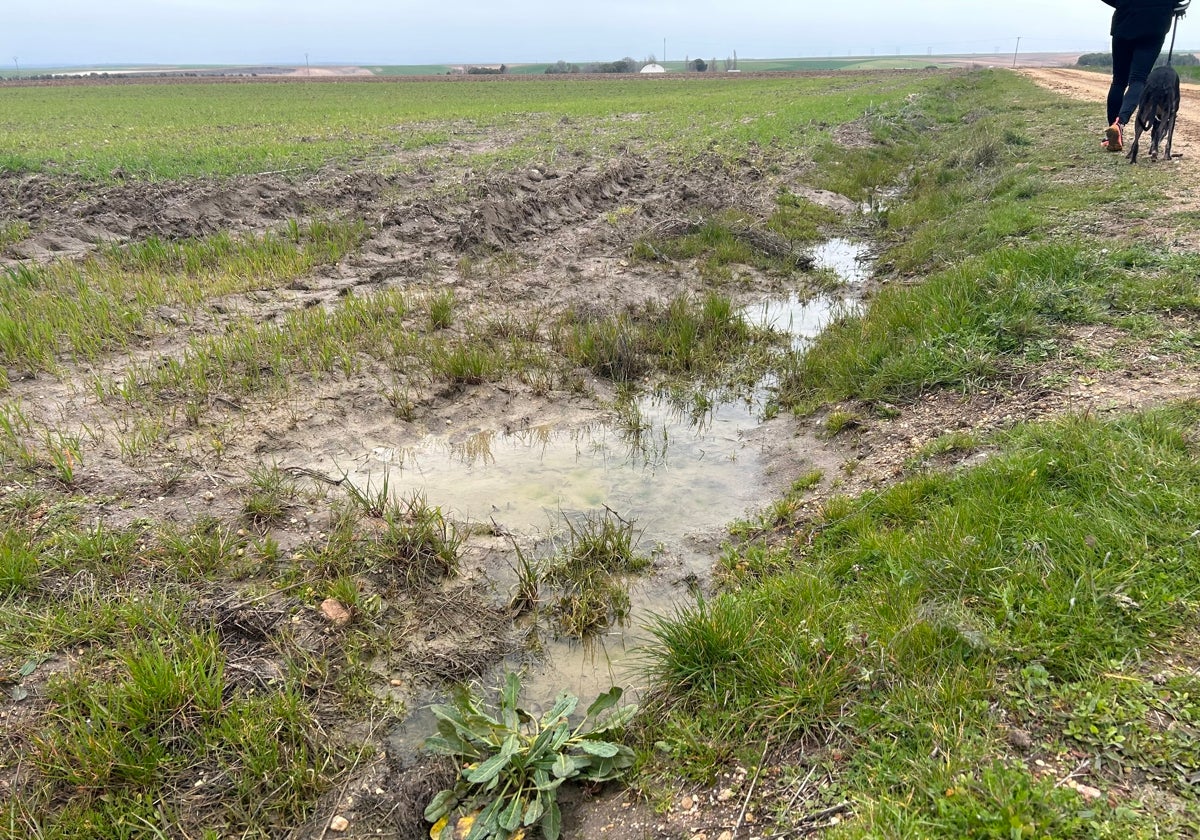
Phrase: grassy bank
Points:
(948, 655)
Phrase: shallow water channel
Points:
(682, 477)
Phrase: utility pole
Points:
(1015, 51)
(664, 61)
(307, 69)
(17, 64)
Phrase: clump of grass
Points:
(841, 421)
(18, 563)
(590, 569)
(416, 540)
(169, 729)
(441, 310)
(527, 590)
(683, 336)
(12, 232)
(467, 364)
(15, 430)
(201, 549)
(731, 238)
(800, 220)
(269, 493)
(421, 540)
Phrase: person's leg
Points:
(1122, 53)
(1144, 54)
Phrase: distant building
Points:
(654, 68)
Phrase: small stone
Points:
(1088, 792)
(1019, 739)
(725, 795)
(339, 823)
(686, 803)
(396, 683)
(725, 835)
(208, 496)
(700, 836)
(333, 611)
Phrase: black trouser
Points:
(1133, 59)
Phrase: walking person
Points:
(1139, 28)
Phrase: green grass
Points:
(178, 130)
(1003, 267)
(168, 727)
(682, 337)
(84, 309)
(916, 609)
(1047, 588)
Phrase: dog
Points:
(1156, 111)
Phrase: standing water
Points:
(680, 475)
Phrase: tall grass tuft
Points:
(960, 327)
(590, 570)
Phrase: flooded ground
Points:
(680, 474)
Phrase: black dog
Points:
(1156, 111)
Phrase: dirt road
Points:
(1093, 87)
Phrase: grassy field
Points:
(174, 131)
(994, 638)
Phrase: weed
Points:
(515, 762)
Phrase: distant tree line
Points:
(487, 71)
(1105, 60)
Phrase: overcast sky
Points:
(45, 33)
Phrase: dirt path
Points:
(1093, 87)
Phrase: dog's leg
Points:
(1132, 154)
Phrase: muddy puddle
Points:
(679, 473)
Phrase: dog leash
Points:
(1175, 28)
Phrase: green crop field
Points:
(175, 130)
